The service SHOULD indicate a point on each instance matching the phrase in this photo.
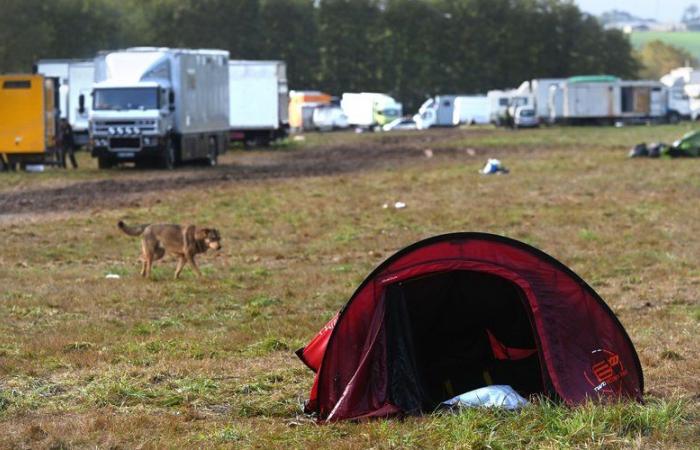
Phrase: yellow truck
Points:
(28, 121)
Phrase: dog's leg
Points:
(180, 264)
(190, 259)
(144, 259)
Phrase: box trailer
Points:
(75, 92)
(370, 110)
(160, 104)
(604, 99)
(259, 101)
(472, 110)
(29, 120)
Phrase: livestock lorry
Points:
(259, 101)
(369, 110)
(160, 105)
(75, 92)
(606, 99)
(29, 121)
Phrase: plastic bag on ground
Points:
(496, 396)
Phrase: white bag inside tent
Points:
(498, 396)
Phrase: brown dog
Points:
(184, 243)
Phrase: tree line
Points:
(408, 48)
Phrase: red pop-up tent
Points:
(461, 311)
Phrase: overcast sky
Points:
(661, 10)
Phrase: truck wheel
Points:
(104, 162)
(213, 153)
(673, 117)
(167, 157)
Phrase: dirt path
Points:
(375, 152)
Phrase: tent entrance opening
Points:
(452, 332)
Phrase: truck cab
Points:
(130, 120)
(160, 105)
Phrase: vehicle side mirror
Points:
(171, 100)
(81, 104)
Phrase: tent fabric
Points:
(466, 310)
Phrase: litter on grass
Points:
(493, 166)
(112, 276)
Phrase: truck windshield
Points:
(117, 99)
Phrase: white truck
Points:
(683, 84)
(259, 101)
(75, 77)
(605, 100)
(453, 110)
(369, 110)
(535, 93)
(160, 105)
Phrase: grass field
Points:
(87, 361)
(689, 40)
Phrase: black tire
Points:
(105, 162)
(673, 117)
(167, 157)
(213, 153)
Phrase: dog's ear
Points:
(201, 233)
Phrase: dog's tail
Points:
(131, 231)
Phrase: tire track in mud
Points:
(386, 151)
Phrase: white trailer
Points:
(75, 92)
(167, 105)
(499, 100)
(369, 109)
(259, 101)
(604, 99)
(473, 110)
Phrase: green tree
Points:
(291, 35)
(658, 58)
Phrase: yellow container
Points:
(27, 115)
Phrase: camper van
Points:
(75, 77)
(161, 105)
(453, 110)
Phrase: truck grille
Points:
(125, 142)
(127, 127)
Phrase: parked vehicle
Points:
(472, 110)
(436, 111)
(453, 110)
(402, 123)
(160, 104)
(329, 117)
(259, 101)
(525, 117)
(29, 117)
(370, 110)
(301, 108)
(605, 99)
(535, 93)
(683, 86)
(75, 77)
(499, 100)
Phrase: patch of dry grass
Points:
(90, 361)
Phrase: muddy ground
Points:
(132, 187)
